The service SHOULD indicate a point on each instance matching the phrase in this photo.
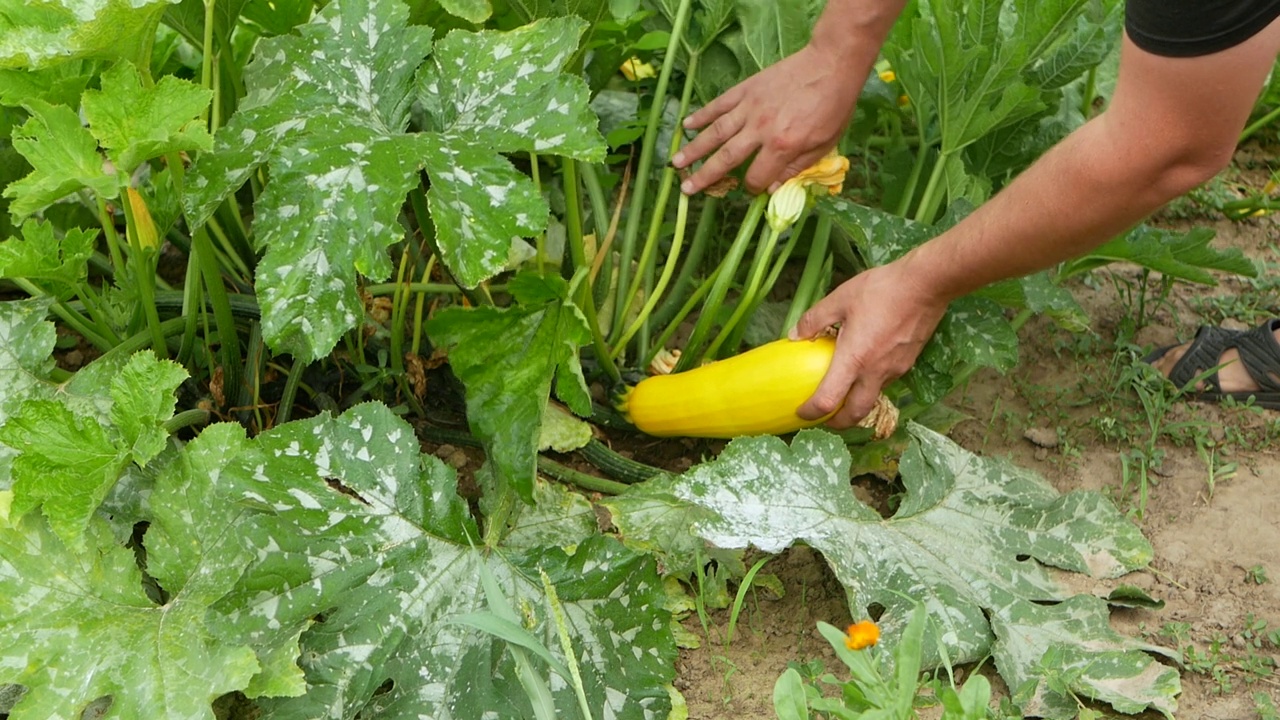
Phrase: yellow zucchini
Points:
(755, 393)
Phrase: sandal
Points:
(1259, 354)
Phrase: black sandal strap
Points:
(1205, 352)
(1260, 355)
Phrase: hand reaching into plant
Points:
(885, 316)
(791, 113)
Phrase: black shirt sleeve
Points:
(1186, 28)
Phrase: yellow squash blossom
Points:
(826, 174)
(861, 635)
(633, 69)
(888, 76)
(143, 225)
(823, 177)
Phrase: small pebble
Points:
(1042, 454)
(1042, 437)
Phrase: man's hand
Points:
(792, 113)
(885, 319)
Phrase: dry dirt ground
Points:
(1216, 538)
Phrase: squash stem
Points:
(697, 248)
(673, 257)
(578, 253)
(648, 144)
(706, 320)
(808, 287)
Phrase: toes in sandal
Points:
(1259, 354)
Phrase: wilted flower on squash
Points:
(633, 69)
(786, 205)
(861, 635)
(664, 362)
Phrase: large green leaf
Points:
(37, 34)
(58, 266)
(507, 391)
(69, 456)
(1043, 650)
(76, 625)
(26, 341)
(774, 30)
(60, 84)
(501, 92)
(64, 156)
(359, 526)
(1179, 255)
(134, 124)
(973, 67)
(327, 111)
(968, 539)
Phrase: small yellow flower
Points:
(861, 635)
(903, 101)
(888, 75)
(826, 174)
(633, 69)
(143, 226)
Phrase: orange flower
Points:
(862, 634)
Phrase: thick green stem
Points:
(754, 279)
(142, 340)
(185, 419)
(688, 268)
(113, 240)
(78, 322)
(563, 473)
(674, 324)
(649, 253)
(808, 286)
(735, 338)
(224, 319)
(640, 193)
(578, 254)
(1258, 124)
(496, 522)
(206, 62)
(932, 197)
(668, 269)
(291, 384)
(729, 270)
(599, 206)
(909, 193)
(399, 307)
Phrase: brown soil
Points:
(1206, 539)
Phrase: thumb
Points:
(817, 319)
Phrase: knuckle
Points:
(783, 143)
(827, 403)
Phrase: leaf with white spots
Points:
(365, 547)
(970, 536)
(507, 392)
(26, 343)
(77, 625)
(327, 110)
(492, 92)
(39, 34)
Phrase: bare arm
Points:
(1172, 125)
(791, 113)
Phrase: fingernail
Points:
(678, 159)
(793, 333)
(686, 187)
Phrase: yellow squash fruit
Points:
(755, 393)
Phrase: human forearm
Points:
(1172, 125)
(854, 30)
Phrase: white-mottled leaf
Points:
(76, 626)
(954, 543)
(364, 542)
(1042, 649)
(34, 35)
(505, 92)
